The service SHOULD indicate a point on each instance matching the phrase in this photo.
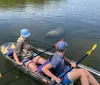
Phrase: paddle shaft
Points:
(81, 59)
(27, 60)
(9, 70)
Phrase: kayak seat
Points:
(10, 49)
(10, 52)
(39, 70)
(7, 50)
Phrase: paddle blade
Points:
(94, 46)
(0, 75)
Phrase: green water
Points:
(80, 20)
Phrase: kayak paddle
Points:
(88, 53)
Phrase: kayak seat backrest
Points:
(10, 52)
(39, 70)
(8, 49)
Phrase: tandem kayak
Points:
(39, 77)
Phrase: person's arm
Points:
(16, 59)
(70, 62)
(46, 70)
(17, 51)
(67, 60)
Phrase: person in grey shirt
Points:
(25, 51)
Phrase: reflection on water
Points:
(79, 19)
(19, 3)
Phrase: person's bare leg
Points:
(78, 73)
(39, 60)
(31, 65)
(91, 79)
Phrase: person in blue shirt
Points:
(58, 64)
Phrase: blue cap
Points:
(61, 45)
(25, 33)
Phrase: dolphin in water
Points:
(55, 33)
